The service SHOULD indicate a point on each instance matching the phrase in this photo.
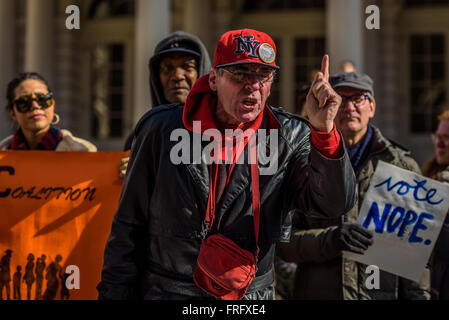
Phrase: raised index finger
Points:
(325, 67)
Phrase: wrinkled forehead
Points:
(252, 67)
(178, 57)
(349, 91)
(30, 86)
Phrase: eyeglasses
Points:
(246, 76)
(24, 104)
(357, 99)
(440, 137)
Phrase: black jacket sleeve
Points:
(319, 187)
(125, 250)
(314, 245)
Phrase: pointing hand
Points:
(322, 101)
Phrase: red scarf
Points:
(48, 142)
(200, 106)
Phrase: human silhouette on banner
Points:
(29, 277)
(16, 283)
(64, 291)
(40, 267)
(5, 274)
(53, 275)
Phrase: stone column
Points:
(288, 94)
(152, 25)
(7, 43)
(67, 71)
(196, 19)
(39, 38)
(392, 118)
(344, 25)
(222, 18)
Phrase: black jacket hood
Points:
(194, 43)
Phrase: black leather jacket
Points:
(155, 236)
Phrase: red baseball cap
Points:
(245, 46)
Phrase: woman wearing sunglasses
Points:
(32, 106)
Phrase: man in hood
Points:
(178, 61)
(189, 182)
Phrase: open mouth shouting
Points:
(249, 103)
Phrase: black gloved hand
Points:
(353, 237)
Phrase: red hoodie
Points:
(200, 106)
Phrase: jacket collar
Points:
(380, 146)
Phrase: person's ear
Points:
(213, 79)
(372, 108)
(12, 115)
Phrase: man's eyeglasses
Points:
(24, 104)
(357, 99)
(247, 76)
(440, 137)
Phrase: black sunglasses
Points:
(23, 104)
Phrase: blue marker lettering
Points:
(420, 226)
(404, 188)
(393, 225)
(409, 219)
(373, 215)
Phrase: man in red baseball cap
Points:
(206, 226)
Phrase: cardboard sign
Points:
(405, 211)
(56, 203)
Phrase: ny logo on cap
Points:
(249, 45)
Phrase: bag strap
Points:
(255, 187)
(210, 211)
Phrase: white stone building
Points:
(99, 73)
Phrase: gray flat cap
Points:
(352, 80)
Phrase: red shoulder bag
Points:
(225, 270)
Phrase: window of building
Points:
(107, 101)
(108, 8)
(264, 5)
(424, 3)
(308, 55)
(427, 80)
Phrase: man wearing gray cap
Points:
(322, 272)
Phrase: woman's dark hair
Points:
(14, 83)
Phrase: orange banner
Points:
(56, 210)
